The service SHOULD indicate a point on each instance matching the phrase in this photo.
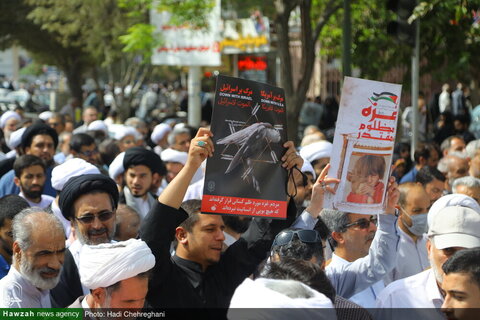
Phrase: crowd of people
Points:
(103, 215)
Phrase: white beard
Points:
(438, 274)
(35, 278)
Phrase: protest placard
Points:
(363, 145)
(245, 176)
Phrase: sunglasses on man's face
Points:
(89, 218)
(307, 236)
(362, 223)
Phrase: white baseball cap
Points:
(455, 226)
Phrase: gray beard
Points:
(436, 272)
(85, 240)
(35, 278)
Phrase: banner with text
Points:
(245, 176)
(363, 145)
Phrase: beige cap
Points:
(455, 226)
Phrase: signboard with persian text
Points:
(363, 145)
(245, 176)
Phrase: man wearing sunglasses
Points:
(363, 254)
(83, 146)
(89, 201)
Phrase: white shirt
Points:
(45, 201)
(229, 240)
(18, 292)
(418, 291)
(365, 298)
(412, 257)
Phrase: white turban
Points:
(451, 200)
(122, 131)
(45, 115)
(15, 138)
(307, 167)
(317, 150)
(98, 125)
(171, 155)
(7, 116)
(71, 168)
(159, 132)
(105, 264)
(116, 167)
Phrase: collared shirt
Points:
(365, 298)
(4, 267)
(409, 176)
(45, 201)
(349, 279)
(193, 271)
(418, 291)
(412, 257)
(229, 240)
(18, 292)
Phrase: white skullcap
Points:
(98, 125)
(71, 168)
(180, 125)
(159, 132)
(45, 115)
(170, 155)
(105, 264)
(120, 132)
(451, 200)
(15, 138)
(116, 167)
(7, 116)
(317, 150)
(307, 167)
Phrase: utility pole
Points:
(347, 39)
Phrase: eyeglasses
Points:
(307, 236)
(89, 218)
(89, 153)
(362, 223)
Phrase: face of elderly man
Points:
(471, 192)
(438, 257)
(358, 237)
(127, 294)
(94, 218)
(89, 115)
(435, 189)
(41, 261)
(182, 142)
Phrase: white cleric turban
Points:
(15, 138)
(307, 167)
(170, 155)
(98, 125)
(317, 150)
(120, 132)
(451, 200)
(105, 264)
(7, 116)
(45, 115)
(71, 168)
(159, 132)
(116, 167)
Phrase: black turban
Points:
(140, 156)
(36, 129)
(84, 184)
